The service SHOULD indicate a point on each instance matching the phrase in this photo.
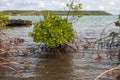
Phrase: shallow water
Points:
(75, 66)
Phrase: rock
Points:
(19, 22)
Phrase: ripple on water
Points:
(74, 66)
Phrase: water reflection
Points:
(54, 69)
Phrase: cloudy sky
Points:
(112, 6)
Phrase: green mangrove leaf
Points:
(52, 30)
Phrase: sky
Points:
(112, 6)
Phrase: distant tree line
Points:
(34, 12)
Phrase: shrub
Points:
(3, 21)
(52, 30)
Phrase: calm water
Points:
(75, 66)
(88, 26)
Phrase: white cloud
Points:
(88, 7)
(60, 4)
(108, 5)
(41, 5)
(112, 3)
(101, 8)
(6, 0)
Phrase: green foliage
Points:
(52, 30)
(117, 23)
(3, 21)
(73, 6)
(113, 34)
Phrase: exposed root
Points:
(108, 71)
(9, 46)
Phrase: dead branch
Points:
(108, 71)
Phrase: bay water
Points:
(74, 66)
